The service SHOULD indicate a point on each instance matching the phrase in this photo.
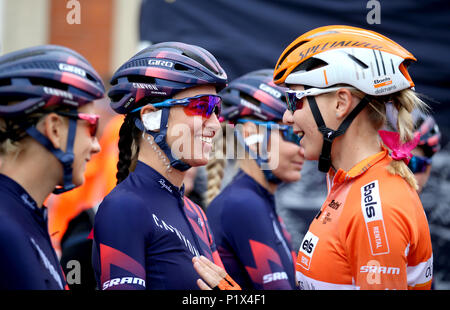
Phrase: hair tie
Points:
(399, 151)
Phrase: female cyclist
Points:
(146, 231)
(371, 232)
(251, 238)
(47, 135)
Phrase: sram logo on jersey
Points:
(379, 269)
(373, 216)
(307, 248)
(274, 277)
(124, 280)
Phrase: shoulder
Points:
(385, 198)
(121, 207)
(235, 199)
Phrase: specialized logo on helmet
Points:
(270, 90)
(160, 63)
(58, 92)
(72, 69)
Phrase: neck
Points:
(354, 146)
(251, 168)
(39, 181)
(149, 157)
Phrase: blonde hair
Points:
(215, 167)
(405, 102)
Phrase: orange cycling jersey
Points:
(371, 233)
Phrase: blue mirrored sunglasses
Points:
(286, 130)
(419, 164)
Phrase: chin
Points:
(197, 162)
(290, 178)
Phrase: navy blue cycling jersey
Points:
(27, 258)
(146, 234)
(251, 239)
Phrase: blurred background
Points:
(244, 35)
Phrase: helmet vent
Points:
(359, 62)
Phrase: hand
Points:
(213, 276)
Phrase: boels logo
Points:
(307, 248)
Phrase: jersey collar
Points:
(341, 175)
(40, 214)
(151, 175)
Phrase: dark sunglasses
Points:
(286, 130)
(91, 119)
(418, 164)
(201, 105)
(295, 98)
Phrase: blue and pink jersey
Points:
(146, 233)
(251, 239)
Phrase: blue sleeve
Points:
(249, 228)
(120, 233)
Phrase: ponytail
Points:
(215, 167)
(405, 102)
(128, 148)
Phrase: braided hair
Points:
(129, 137)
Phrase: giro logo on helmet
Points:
(58, 92)
(270, 90)
(72, 69)
(161, 63)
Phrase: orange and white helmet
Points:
(332, 55)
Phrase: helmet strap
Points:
(260, 160)
(65, 158)
(329, 134)
(160, 139)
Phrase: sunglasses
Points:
(286, 130)
(418, 164)
(91, 119)
(295, 98)
(201, 105)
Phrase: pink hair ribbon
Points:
(399, 151)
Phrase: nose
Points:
(212, 123)
(95, 146)
(288, 118)
(301, 152)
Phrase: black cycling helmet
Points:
(157, 73)
(36, 78)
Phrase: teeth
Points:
(206, 139)
(301, 134)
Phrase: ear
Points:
(344, 103)
(250, 130)
(147, 109)
(55, 128)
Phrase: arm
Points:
(391, 251)
(118, 257)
